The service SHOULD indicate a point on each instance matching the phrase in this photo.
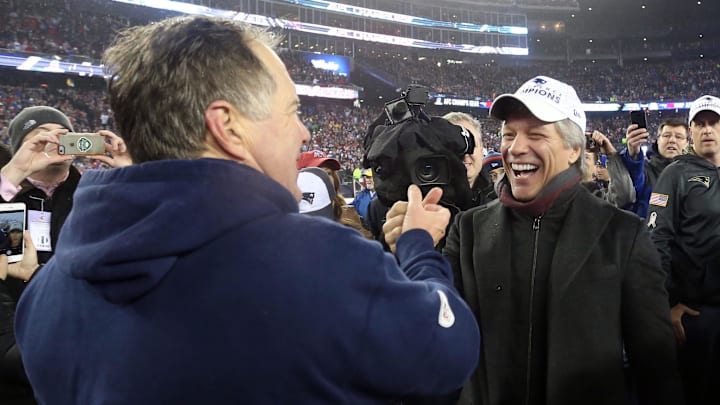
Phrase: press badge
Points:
(39, 227)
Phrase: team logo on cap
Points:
(309, 197)
(542, 90)
(29, 124)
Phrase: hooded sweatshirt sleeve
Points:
(423, 337)
(664, 208)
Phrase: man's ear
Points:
(224, 128)
(574, 155)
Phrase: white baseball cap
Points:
(704, 103)
(317, 192)
(549, 100)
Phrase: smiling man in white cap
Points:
(684, 218)
(557, 278)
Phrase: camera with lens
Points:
(406, 146)
(590, 144)
(407, 106)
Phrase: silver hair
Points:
(165, 75)
(458, 117)
(573, 137)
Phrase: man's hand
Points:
(119, 156)
(676, 315)
(392, 228)
(604, 143)
(25, 268)
(3, 267)
(32, 156)
(635, 138)
(414, 214)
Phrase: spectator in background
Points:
(362, 200)
(14, 386)
(290, 309)
(685, 224)
(646, 169)
(606, 176)
(342, 212)
(479, 184)
(558, 279)
(318, 193)
(493, 169)
(317, 158)
(45, 181)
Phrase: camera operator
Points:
(406, 146)
(606, 176)
(481, 186)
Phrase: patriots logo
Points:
(539, 81)
(309, 197)
(318, 154)
(704, 180)
(29, 124)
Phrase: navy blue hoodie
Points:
(198, 282)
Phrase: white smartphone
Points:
(12, 225)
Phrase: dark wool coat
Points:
(605, 289)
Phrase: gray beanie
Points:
(31, 118)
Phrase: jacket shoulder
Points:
(596, 206)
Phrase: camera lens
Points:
(427, 172)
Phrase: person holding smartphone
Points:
(35, 174)
(606, 177)
(645, 167)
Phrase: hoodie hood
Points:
(129, 226)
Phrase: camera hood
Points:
(426, 152)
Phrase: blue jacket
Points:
(362, 200)
(198, 282)
(644, 173)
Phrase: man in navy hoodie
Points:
(190, 277)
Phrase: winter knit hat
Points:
(31, 118)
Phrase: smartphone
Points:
(639, 118)
(12, 225)
(81, 144)
(603, 160)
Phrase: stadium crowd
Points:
(337, 128)
(613, 298)
(676, 80)
(58, 28)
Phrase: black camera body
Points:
(407, 106)
(590, 145)
(405, 146)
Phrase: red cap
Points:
(317, 158)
